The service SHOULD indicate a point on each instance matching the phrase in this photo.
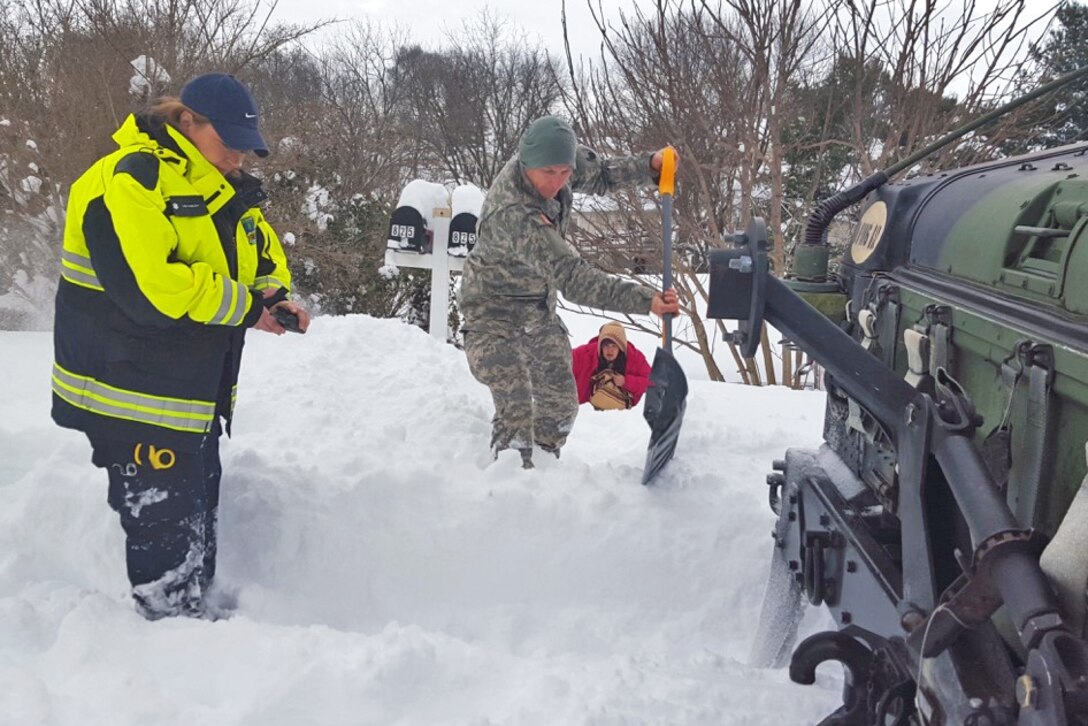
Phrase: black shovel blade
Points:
(666, 400)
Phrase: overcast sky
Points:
(429, 20)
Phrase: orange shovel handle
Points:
(667, 181)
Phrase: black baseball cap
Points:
(228, 104)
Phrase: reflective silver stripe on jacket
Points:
(267, 281)
(77, 268)
(240, 308)
(173, 413)
(233, 306)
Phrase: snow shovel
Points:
(666, 397)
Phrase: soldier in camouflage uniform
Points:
(515, 342)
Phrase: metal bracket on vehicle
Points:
(867, 323)
(917, 344)
(738, 284)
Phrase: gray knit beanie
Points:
(548, 141)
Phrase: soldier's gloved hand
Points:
(665, 303)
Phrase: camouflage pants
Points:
(531, 383)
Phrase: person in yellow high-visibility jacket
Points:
(167, 261)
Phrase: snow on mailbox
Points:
(466, 202)
(412, 225)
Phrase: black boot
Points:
(526, 458)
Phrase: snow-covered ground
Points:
(388, 573)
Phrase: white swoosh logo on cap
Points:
(251, 115)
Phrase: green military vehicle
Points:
(944, 521)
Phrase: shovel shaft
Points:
(667, 186)
(666, 397)
(666, 267)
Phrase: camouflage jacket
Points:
(521, 260)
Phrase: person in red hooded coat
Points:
(610, 372)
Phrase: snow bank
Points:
(388, 572)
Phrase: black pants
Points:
(168, 503)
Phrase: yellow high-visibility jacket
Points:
(164, 267)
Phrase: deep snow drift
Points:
(388, 573)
